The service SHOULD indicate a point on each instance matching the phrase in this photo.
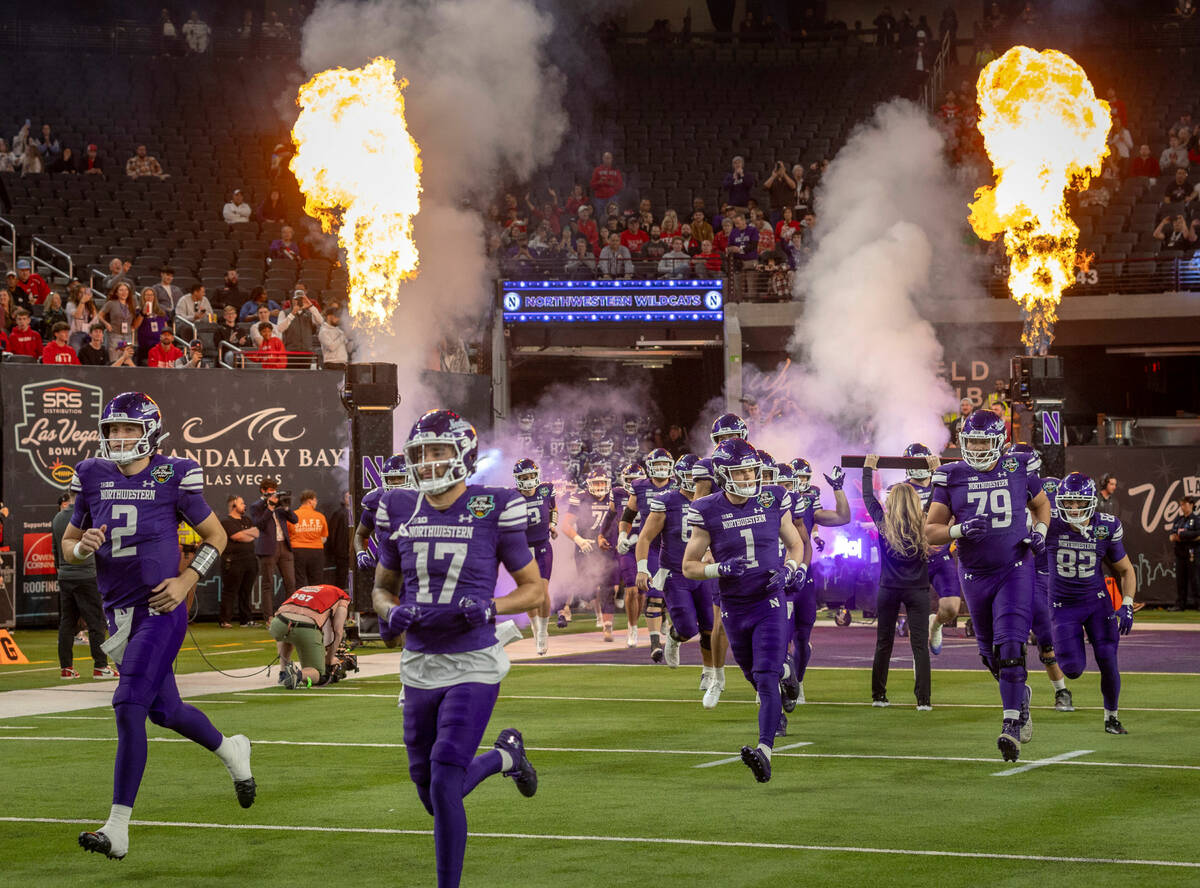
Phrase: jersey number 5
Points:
(456, 552)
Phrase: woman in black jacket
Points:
(903, 579)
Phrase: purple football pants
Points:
(1070, 620)
(1001, 607)
(758, 635)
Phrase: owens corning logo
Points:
(58, 428)
(270, 422)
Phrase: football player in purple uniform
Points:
(726, 426)
(441, 547)
(1080, 539)
(543, 527)
(393, 474)
(128, 503)
(806, 509)
(987, 494)
(711, 684)
(660, 469)
(626, 563)
(743, 525)
(588, 519)
(689, 602)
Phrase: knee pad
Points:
(1046, 655)
(653, 608)
(162, 716)
(706, 641)
(992, 665)
(1009, 653)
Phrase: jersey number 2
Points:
(456, 552)
(128, 516)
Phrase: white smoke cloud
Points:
(888, 241)
(482, 100)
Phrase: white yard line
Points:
(1041, 763)
(636, 840)
(738, 758)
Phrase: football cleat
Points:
(68, 672)
(781, 728)
(656, 654)
(935, 639)
(1026, 720)
(562, 622)
(705, 678)
(608, 636)
(1063, 701)
(522, 772)
(1009, 741)
(789, 688)
(712, 695)
(757, 762)
(106, 672)
(1112, 725)
(800, 701)
(671, 652)
(924, 707)
(99, 843)
(245, 786)
(880, 702)
(631, 636)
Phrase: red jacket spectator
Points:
(54, 353)
(25, 341)
(165, 354)
(633, 238)
(1145, 166)
(607, 181)
(791, 225)
(720, 241)
(587, 229)
(270, 353)
(34, 286)
(3, 341)
(712, 260)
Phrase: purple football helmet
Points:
(785, 477)
(1076, 499)
(770, 473)
(527, 475)
(728, 425)
(598, 483)
(683, 472)
(917, 449)
(441, 427)
(137, 408)
(395, 473)
(605, 447)
(801, 474)
(659, 464)
(632, 472)
(737, 453)
(981, 439)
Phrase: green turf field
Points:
(621, 800)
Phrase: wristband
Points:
(1127, 601)
(1040, 528)
(81, 556)
(712, 571)
(643, 566)
(205, 560)
(956, 532)
(791, 564)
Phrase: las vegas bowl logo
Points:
(58, 428)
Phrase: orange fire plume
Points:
(360, 173)
(1045, 131)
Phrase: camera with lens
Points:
(284, 498)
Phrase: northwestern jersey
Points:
(750, 529)
(591, 514)
(538, 508)
(805, 505)
(141, 515)
(675, 530)
(639, 501)
(1000, 495)
(621, 499)
(1075, 558)
(924, 492)
(370, 503)
(447, 555)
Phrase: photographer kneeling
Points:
(312, 620)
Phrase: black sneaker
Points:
(789, 689)
(1009, 741)
(656, 654)
(98, 843)
(522, 772)
(757, 762)
(1112, 725)
(1063, 701)
(781, 728)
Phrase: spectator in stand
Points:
(607, 184)
(1179, 190)
(285, 247)
(125, 354)
(575, 200)
(691, 246)
(738, 184)
(582, 265)
(10, 161)
(1145, 164)
(708, 261)
(1120, 143)
(781, 189)
(20, 298)
(166, 353)
(90, 163)
(144, 166)
(676, 264)
(795, 250)
(193, 358)
(32, 162)
(196, 33)
(33, 286)
(118, 271)
(195, 307)
(232, 293)
(308, 541)
(1174, 155)
(64, 163)
(543, 244)
(23, 339)
(228, 330)
(633, 238)
(585, 226)
(743, 242)
(655, 248)
(615, 260)
(117, 313)
(53, 311)
(258, 298)
(701, 230)
(270, 351)
(885, 27)
(949, 111)
(1117, 106)
(721, 238)
(236, 211)
(335, 349)
(786, 225)
(299, 325)
(48, 144)
(1174, 233)
(148, 324)
(766, 235)
(165, 291)
(57, 351)
(93, 353)
(1106, 496)
(82, 314)
(6, 311)
(273, 209)
(263, 316)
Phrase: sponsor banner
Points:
(38, 555)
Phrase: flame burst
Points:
(1045, 131)
(360, 173)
